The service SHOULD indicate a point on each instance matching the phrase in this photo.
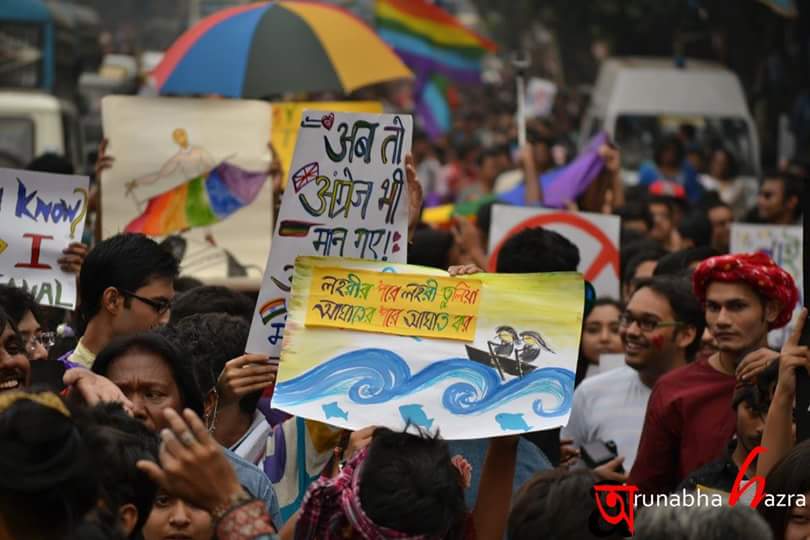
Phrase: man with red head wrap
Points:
(688, 420)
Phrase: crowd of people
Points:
(141, 416)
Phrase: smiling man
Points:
(23, 309)
(660, 330)
(126, 286)
(688, 417)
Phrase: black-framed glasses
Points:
(46, 339)
(161, 305)
(646, 324)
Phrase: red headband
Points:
(756, 270)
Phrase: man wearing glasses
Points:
(660, 330)
(689, 421)
(23, 310)
(126, 286)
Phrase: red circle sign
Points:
(609, 255)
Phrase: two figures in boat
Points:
(510, 352)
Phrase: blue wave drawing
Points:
(373, 376)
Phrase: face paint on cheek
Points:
(657, 342)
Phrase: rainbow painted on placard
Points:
(199, 202)
(272, 309)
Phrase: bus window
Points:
(16, 142)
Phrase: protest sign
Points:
(347, 196)
(475, 356)
(40, 215)
(596, 236)
(783, 244)
(540, 95)
(194, 167)
(287, 122)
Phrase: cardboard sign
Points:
(596, 236)
(783, 244)
(287, 122)
(513, 373)
(192, 167)
(40, 215)
(347, 197)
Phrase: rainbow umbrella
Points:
(268, 48)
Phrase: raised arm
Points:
(533, 195)
(495, 490)
(777, 439)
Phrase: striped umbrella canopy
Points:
(268, 48)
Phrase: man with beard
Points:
(688, 421)
(660, 330)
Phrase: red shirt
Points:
(689, 421)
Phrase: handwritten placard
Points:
(783, 244)
(287, 122)
(40, 215)
(401, 304)
(346, 197)
(511, 370)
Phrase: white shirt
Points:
(610, 407)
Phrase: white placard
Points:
(40, 215)
(783, 244)
(161, 144)
(346, 196)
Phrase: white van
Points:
(33, 123)
(639, 101)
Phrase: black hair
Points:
(537, 250)
(697, 228)
(409, 484)
(534, 136)
(47, 477)
(16, 302)
(186, 283)
(667, 143)
(683, 302)
(6, 320)
(606, 301)
(677, 263)
(211, 340)
(732, 168)
(757, 393)
(212, 299)
(483, 218)
(159, 342)
(555, 505)
(636, 211)
(123, 261)
(430, 248)
(789, 476)
(711, 199)
(117, 442)
(51, 163)
(655, 253)
(792, 186)
(666, 200)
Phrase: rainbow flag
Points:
(437, 48)
(201, 201)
